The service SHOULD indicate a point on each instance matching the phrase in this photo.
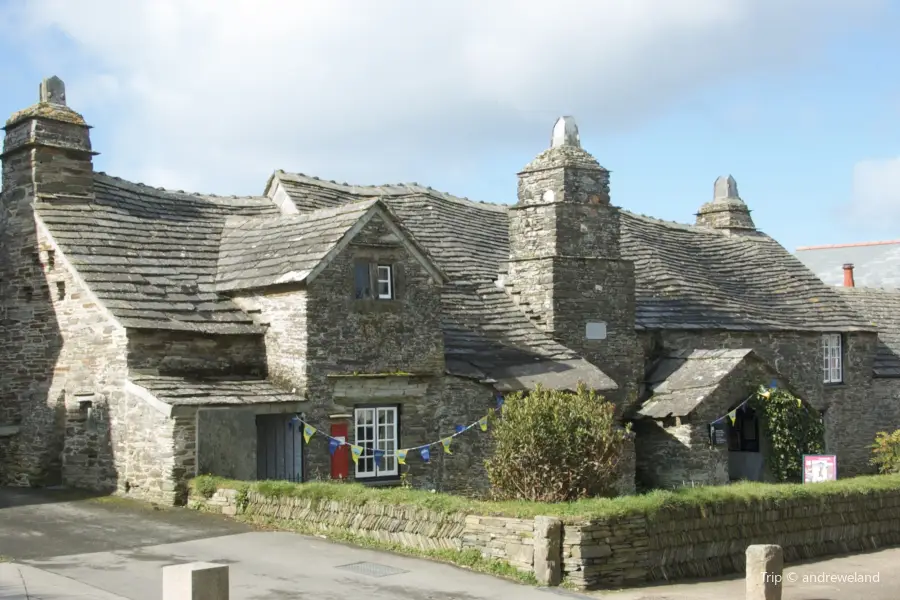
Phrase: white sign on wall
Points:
(595, 331)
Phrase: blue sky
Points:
(798, 100)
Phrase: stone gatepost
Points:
(195, 581)
(548, 550)
(765, 569)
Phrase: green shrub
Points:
(886, 452)
(792, 429)
(555, 446)
(205, 485)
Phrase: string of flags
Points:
(765, 394)
(424, 450)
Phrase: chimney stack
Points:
(848, 276)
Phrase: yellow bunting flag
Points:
(401, 456)
(356, 452)
(446, 444)
(799, 404)
(733, 416)
(482, 422)
(308, 432)
(766, 394)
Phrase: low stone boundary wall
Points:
(672, 544)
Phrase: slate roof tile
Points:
(150, 255)
(687, 277)
(882, 308)
(185, 391)
(682, 380)
(261, 251)
(487, 337)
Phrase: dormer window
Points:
(374, 281)
(832, 364)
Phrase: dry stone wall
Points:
(672, 544)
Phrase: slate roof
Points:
(262, 251)
(687, 277)
(875, 264)
(182, 391)
(468, 240)
(487, 337)
(681, 381)
(150, 255)
(881, 307)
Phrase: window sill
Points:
(8, 430)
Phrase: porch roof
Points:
(220, 391)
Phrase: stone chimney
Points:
(726, 211)
(47, 158)
(47, 149)
(848, 276)
(565, 269)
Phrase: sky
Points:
(794, 98)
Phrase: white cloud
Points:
(220, 93)
(876, 194)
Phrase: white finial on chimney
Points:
(565, 133)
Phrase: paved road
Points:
(69, 547)
(62, 545)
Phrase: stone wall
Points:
(176, 352)
(711, 541)
(797, 356)
(678, 455)
(671, 544)
(510, 540)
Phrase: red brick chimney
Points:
(848, 276)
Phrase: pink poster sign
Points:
(819, 467)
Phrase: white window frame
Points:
(832, 358)
(384, 274)
(367, 468)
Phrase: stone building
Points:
(150, 335)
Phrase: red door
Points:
(340, 460)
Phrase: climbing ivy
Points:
(791, 428)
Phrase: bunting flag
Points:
(733, 416)
(357, 452)
(333, 445)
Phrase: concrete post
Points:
(195, 581)
(765, 569)
(548, 550)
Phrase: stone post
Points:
(195, 581)
(765, 569)
(548, 550)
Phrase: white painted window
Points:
(385, 282)
(831, 358)
(376, 429)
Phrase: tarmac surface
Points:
(56, 545)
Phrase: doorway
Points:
(279, 448)
(745, 457)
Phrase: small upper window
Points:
(373, 281)
(385, 282)
(831, 358)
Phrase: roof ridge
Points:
(118, 182)
(390, 190)
(849, 245)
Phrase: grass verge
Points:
(466, 559)
(594, 508)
